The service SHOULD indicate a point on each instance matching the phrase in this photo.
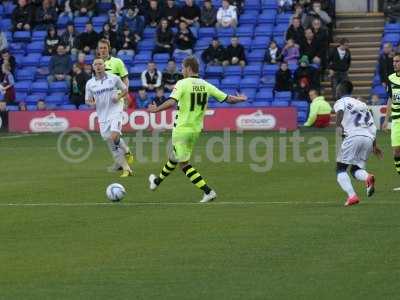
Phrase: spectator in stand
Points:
(171, 12)
(320, 111)
(3, 115)
(142, 99)
(46, 15)
(208, 14)
(321, 36)
(83, 7)
(107, 34)
(65, 9)
(88, 69)
(160, 97)
(239, 4)
(151, 77)
(290, 52)
(60, 66)
(295, 31)
(339, 64)
(310, 47)
(226, 15)
(133, 20)
(215, 54)
(87, 40)
(273, 55)
(81, 60)
(118, 6)
(190, 13)
(78, 84)
(299, 13)
(69, 39)
(3, 41)
(235, 53)
(184, 39)
(386, 63)
(51, 41)
(317, 13)
(153, 15)
(22, 106)
(285, 6)
(22, 17)
(305, 79)
(113, 21)
(283, 79)
(171, 76)
(41, 105)
(375, 100)
(164, 39)
(7, 83)
(127, 43)
(7, 57)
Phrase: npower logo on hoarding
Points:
(50, 123)
(256, 120)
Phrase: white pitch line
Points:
(89, 204)
(18, 136)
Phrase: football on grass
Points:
(115, 192)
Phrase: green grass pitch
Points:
(283, 234)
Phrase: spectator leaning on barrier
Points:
(151, 77)
(235, 53)
(164, 39)
(22, 17)
(215, 54)
(320, 111)
(208, 14)
(226, 15)
(41, 105)
(60, 66)
(160, 97)
(171, 75)
(283, 79)
(386, 63)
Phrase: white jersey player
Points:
(357, 124)
(107, 91)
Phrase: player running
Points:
(393, 110)
(106, 92)
(117, 67)
(191, 96)
(355, 121)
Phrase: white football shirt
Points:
(103, 91)
(357, 119)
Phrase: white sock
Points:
(361, 175)
(123, 145)
(119, 156)
(345, 183)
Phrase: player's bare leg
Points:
(364, 176)
(396, 154)
(119, 154)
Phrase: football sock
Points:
(397, 164)
(168, 168)
(361, 175)
(119, 154)
(196, 178)
(123, 145)
(345, 183)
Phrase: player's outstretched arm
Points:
(236, 99)
(377, 151)
(167, 104)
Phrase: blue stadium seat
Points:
(31, 60)
(246, 42)
(104, 6)
(283, 96)
(279, 30)
(6, 24)
(380, 91)
(225, 32)
(20, 96)
(44, 61)
(34, 98)
(391, 38)
(100, 20)
(245, 30)
(85, 107)
(214, 71)
(26, 74)
(2, 13)
(39, 35)
(149, 33)
(253, 4)
(40, 87)
(267, 81)
(161, 57)
(206, 32)
(127, 59)
(250, 93)
(12, 108)
(230, 82)
(392, 28)
(260, 42)
(283, 19)
(270, 69)
(269, 4)
(203, 43)
(252, 70)
(22, 36)
(23, 86)
(264, 95)
(67, 107)
(136, 70)
(143, 57)
(54, 99)
(233, 70)
(261, 104)
(279, 103)
(146, 44)
(300, 105)
(89, 59)
(249, 82)
(81, 21)
(264, 30)
(267, 17)
(8, 35)
(248, 18)
(58, 87)
(256, 56)
(280, 40)
(135, 84)
(62, 22)
(214, 81)
(301, 116)
(17, 48)
(35, 47)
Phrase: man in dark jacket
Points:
(87, 41)
(386, 63)
(208, 14)
(190, 13)
(46, 15)
(215, 54)
(78, 84)
(22, 17)
(170, 76)
(164, 39)
(295, 31)
(339, 64)
(60, 65)
(184, 40)
(235, 54)
(83, 7)
(305, 78)
(283, 79)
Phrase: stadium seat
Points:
(44, 61)
(252, 70)
(100, 20)
(270, 69)
(264, 95)
(89, 59)
(300, 105)
(230, 82)
(62, 22)
(67, 107)
(246, 42)
(39, 87)
(142, 58)
(6, 24)
(203, 43)
(127, 59)
(136, 70)
(54, 99)
(225, 32)
(248, 18)
(391, 38)
(279, 30)
(23, 86)
(263, 30)
(214, 71)
(34, 98)
(249, 82)
(20, 96)
(17, 48)
(12, 108)
(380, 91)
(214, 81)
(392, 28)
(81, 21)
(149, 33)
(31, 107)
(135, 84)
(267, 17)
(31, 60)
(146, 44)
(26, 74)
(58, 87)
(38, 35)
(283, 96)
(279, 103)
(161, 57)
(233, 70)
(269, 4)
(256, 56)
(301, 116)
(280, 41)
(250, 93)
(283, 19)
(267, 81)
(253, 4)
(245, 30)
(35, 47)
(260, 42)
(261, 104)
(206, 32)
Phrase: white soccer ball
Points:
(115, 192)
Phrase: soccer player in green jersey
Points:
(191, 97)
(117, 67)
(393, 110)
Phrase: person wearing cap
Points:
(215, 54)
(320, 111)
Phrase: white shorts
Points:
(355, 151)
(112, 125)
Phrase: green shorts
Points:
(183, 142)
(395, 134)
